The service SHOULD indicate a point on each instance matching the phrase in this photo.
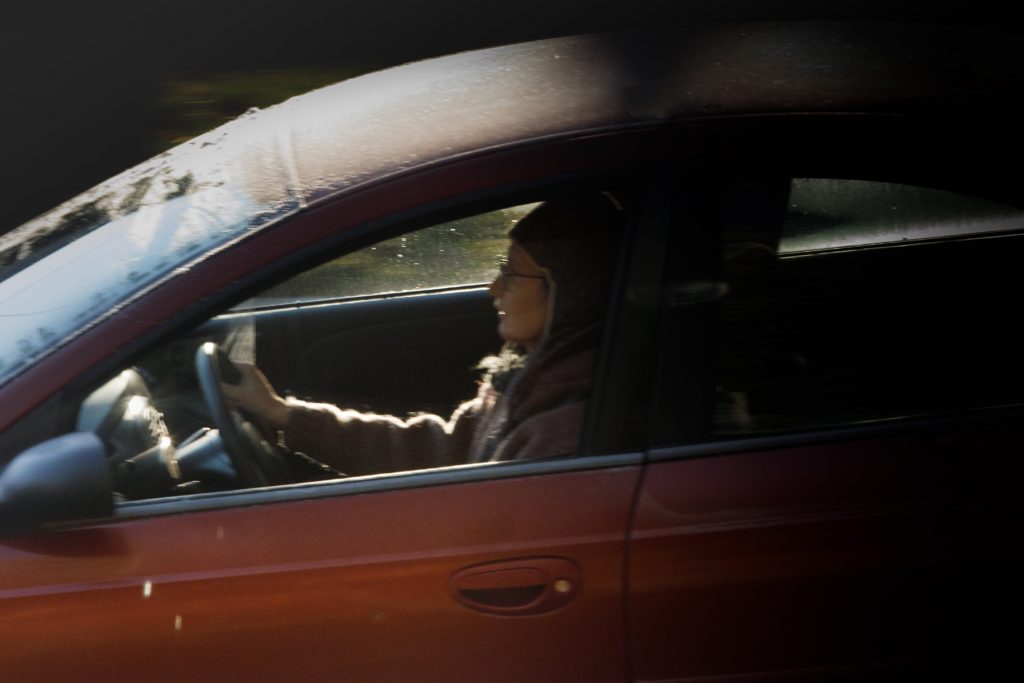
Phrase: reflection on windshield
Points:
(88, 257)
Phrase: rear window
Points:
(876, 302)
(830, 213)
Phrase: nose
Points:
(496, 287)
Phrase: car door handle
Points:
(517, 587)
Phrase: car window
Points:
(370, 364)
(833, 213)
(914, 314)
(142, 224)
(459, 252)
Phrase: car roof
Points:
(314, 145)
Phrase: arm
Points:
(366, 443)
(353, 442)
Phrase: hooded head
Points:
(570, 247)
(574, 240)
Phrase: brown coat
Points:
(365, 443)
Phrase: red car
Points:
(800, 455)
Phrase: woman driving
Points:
(550, 296)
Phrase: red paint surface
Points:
(851, 558)
(351, 588)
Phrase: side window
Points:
(829, 213)
(877, 301)
(391, 358)
(459, 252)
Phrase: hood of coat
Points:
(575, 240)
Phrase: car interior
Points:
(397, 327)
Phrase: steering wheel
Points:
(257, 462)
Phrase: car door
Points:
(506, 571)
(436, 577)
(833, 483)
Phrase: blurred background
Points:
(91, 89)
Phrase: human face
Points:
(521, 296)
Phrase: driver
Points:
(550, 295)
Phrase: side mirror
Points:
(59, 480)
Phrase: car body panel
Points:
(317, 589)
(851, 556)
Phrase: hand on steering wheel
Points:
(256, 461)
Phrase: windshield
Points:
(68, 268)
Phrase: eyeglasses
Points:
(504, 274)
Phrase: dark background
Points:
(90, 90)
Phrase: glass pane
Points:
(460, 252)
(141, 226)
(826, 213)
